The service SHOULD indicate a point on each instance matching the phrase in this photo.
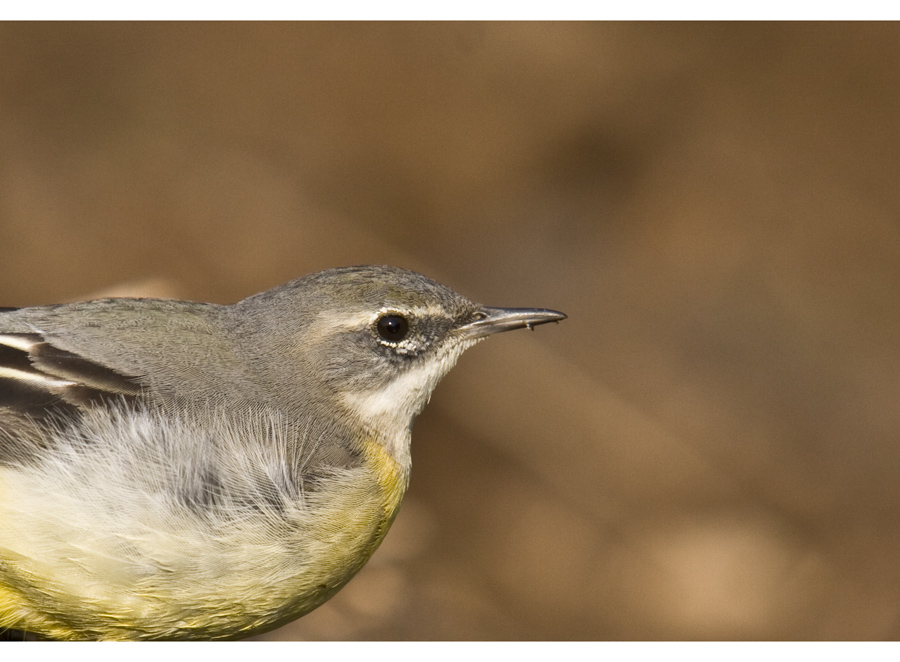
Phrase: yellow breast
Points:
(189, 576)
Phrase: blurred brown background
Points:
(707, 448)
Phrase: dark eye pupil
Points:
(392, 328)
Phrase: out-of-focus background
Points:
(707, 448)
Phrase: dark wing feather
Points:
(39, 381)
(96, 381)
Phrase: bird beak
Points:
(494, 320)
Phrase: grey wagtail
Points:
(179, 470)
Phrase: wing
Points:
(39, 381)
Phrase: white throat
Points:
(388, 412)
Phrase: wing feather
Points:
(40, 382)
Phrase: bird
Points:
(180, 470)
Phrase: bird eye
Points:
(392, 328)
